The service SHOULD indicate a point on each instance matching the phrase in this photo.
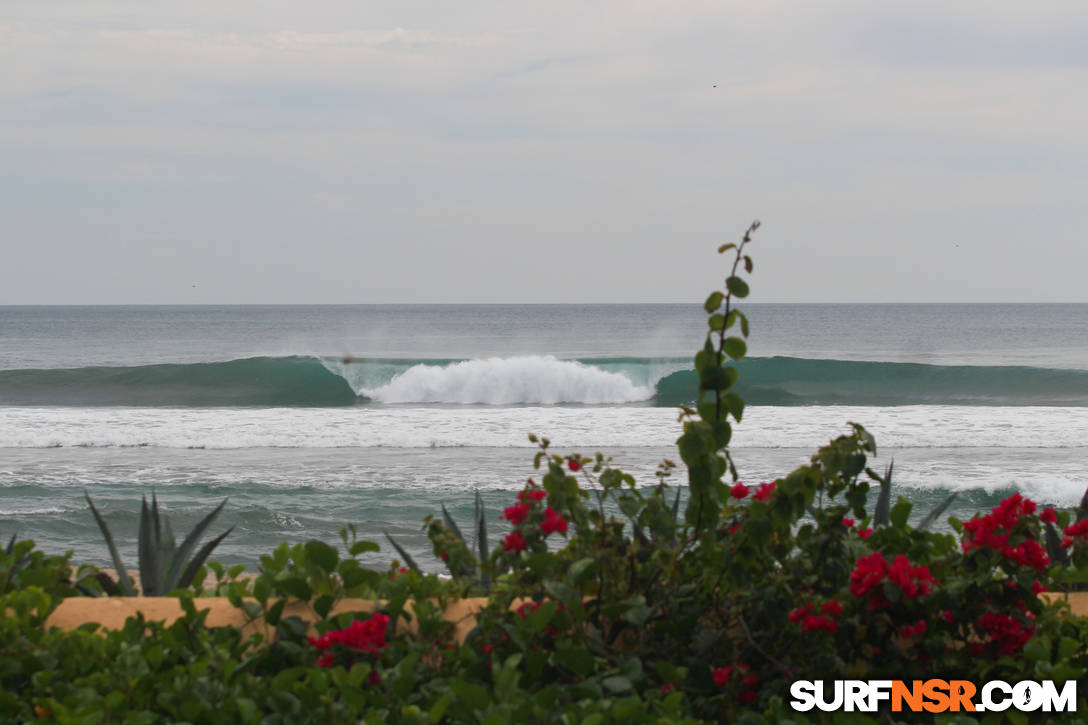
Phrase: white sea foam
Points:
(418, 427)
(534, 380)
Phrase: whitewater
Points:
(311, 418)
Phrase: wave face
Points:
(264, 381)
(798, 381)
(534, 380)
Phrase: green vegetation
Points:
(608, 601)
(164, 566)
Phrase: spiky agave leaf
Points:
(480, 526)
(1054, 549)
(932, 516)
(147, 550)
(408, 560)
(174, 575)
(122, 576)
(190, 571)
(452, 525)
(882, 512)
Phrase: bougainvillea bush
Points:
(608, 600)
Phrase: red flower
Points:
(532, 494)
(363, 635)
(513, 542)
(864, 533)
(847, 521)
(948, 616)
(375, 678)
(574, 464)
(1008, 633)
(746, 697)
(667, 688)
(739, 490)
(553, 521)
(872, 571)
(488, 648)
(721, 675)
(818, 622)
(750, 680)
(1049, 516)
(444, 555)
(913, 630)
(993, 530)
(765, 491)
(515, 514)
(325, 660)
(833, 608)
(796, 615)
(1037, 588)
(527, 608)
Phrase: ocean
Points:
(313, 417)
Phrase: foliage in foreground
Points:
(608, 602)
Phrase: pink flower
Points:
(553, 521)
(513, 542)
(739, 490)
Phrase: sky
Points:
(591, 151)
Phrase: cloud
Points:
(417, 137)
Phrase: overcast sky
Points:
(288, 152)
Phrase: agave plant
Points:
(164, 566)
(482, 550)
(882, 511)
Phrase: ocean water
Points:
(313, 417)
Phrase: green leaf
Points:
(323, 604)
(322, 554)
(578, 661)
(362, 547)
(726, 247)
(439, 709)
(472, 694)
(734, 404)
(735, 347)
(900, 513)
(617, 684)
(714, 301)
(743, 323)
(582, 570)
(748, 264)
(716, 321)
(296, 587)
(539, 619)
(737, 287)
